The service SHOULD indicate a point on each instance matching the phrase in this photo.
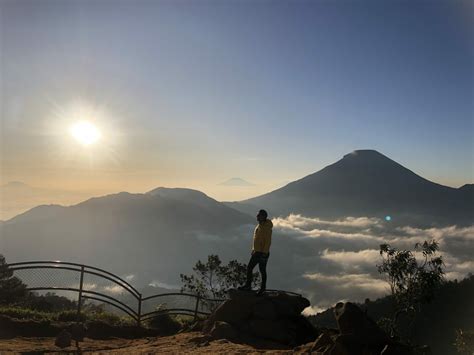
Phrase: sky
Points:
(193, 93)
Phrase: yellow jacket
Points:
(262, 237)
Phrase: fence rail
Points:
(96, 284)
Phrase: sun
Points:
(85, 132)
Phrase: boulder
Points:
(352, 320)
(265, 310)
(78, 331)
(288, 305)
(223, 330)
(273, 330)
(63, 339)
(274, 316)
(322, 343)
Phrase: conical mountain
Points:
(367, 183)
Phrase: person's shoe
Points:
(261, 292)
(244, 288)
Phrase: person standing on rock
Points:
(262, 238)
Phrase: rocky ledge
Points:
(274, 316)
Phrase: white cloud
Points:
(301, 222)
(338, 259)
(116, 289)
(351, 281)
(157, 283)
(312, 310)
(353, 259)
(129, 277)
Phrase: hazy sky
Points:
(192, 93)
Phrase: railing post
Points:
(196, 308)
(79, 301)
(139, 310)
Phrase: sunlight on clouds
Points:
(344, 254)
(301, 222)
(352, 259)
(350, 281)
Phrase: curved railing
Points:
(100, 285)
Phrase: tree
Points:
(213, 278)
(413, 282)
(12, 289)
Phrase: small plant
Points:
(164, 322)
(25, 313)
(70, 316)
(212, 279)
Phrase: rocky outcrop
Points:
(357, 334)
(274, 316)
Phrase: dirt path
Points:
(192, 342)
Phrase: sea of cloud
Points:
(330, 261)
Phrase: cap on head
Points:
(263, 213)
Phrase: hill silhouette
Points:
(367, 183)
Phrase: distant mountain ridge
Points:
(367, 183)
(157, 234)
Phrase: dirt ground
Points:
(192, 342)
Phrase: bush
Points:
(25, 313)
(164, 322)
(70, 316)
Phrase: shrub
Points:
(164, 322)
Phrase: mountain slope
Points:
(367, 183)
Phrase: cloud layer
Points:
(329, 261)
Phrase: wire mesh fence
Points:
(98, 285)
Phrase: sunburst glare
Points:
(85, 132)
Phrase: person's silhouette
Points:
(262, 239)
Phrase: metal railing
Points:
(100, 285)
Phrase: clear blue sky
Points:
(196, 92)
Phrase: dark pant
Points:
(260, 259)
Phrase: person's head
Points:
(262, 216)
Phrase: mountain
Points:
(236, 182)
(367, 183)
(156, 235)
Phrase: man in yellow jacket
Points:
(262, 238)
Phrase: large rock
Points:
(63, 339)
(352, 320)
(323, 343)
(357, 335)
(233, 311)
(223, 330)
(271, 329)
(274, 316)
